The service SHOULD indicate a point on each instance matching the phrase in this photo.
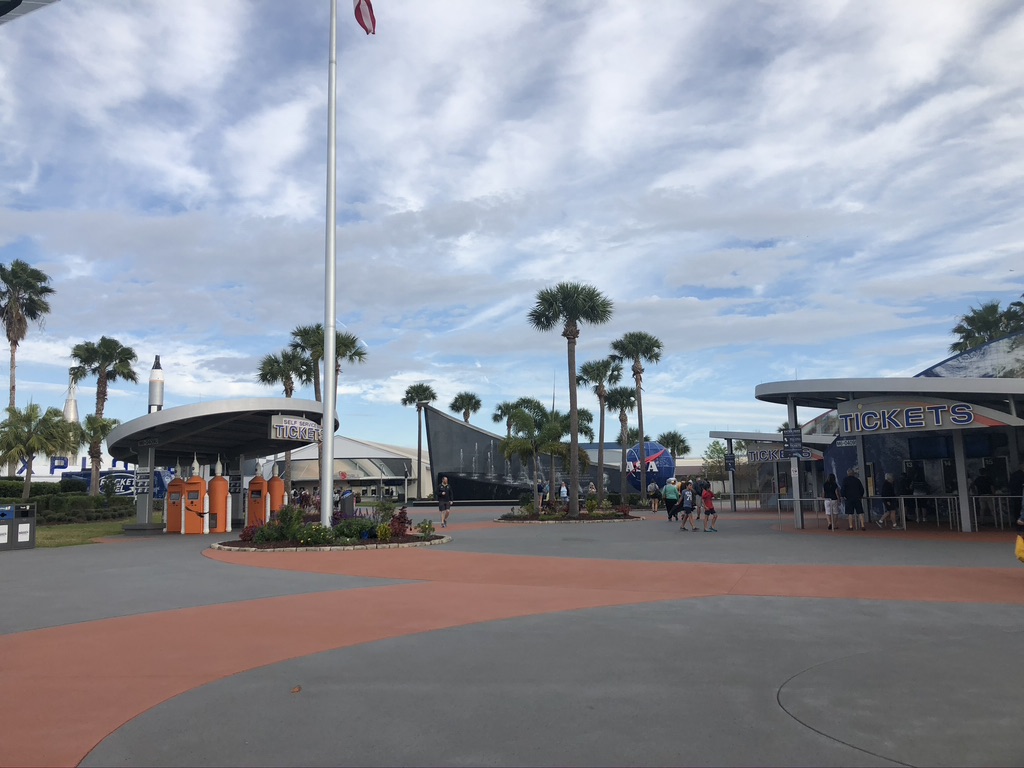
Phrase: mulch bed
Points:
(407, 539)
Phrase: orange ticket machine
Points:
(173, 505)
(275, 487)
(220, 505)
(196, 506)
(257, 502)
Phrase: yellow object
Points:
(1020, 548)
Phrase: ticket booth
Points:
(257, 502)
(220, 504)
(196, 506)
(173, 505)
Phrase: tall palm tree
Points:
(465, 403)
(92, 432)
(419, 394)
(640, 347)
(622, 400)
(569, 305)
(23, 292)
(31, 432)
(600, 374)
(309, 340)
(109, 361)
(675, 442)
(984, 324)
(286, 368)
(503, 412)
(633, 434)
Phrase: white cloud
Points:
(774, 189)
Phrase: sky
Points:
(776, 190)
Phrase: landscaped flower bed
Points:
(288, 529)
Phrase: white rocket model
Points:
(156, 387)
(71, 413)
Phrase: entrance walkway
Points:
(611, 644)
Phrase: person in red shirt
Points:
(710, 514)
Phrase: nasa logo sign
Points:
(661, 466)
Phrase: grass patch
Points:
(78, 533)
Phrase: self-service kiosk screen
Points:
(257, 494)
(193, 495)
(175, 497)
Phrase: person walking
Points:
(563, 493)
(654, 495)
(698, 497)
(853, 495)
(889, 506)
(710, 515)
(445, 499)
(831, 491)
(687, 501)
(671, 496)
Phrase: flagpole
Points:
(330, 366)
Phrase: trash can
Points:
(348, 504)
(22, 531)
(7, 528)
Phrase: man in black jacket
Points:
(853, 491)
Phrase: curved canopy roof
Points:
(993, 393)
(221, 428)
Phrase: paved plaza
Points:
(627, 643)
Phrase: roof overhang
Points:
(770, 437)
(221, 429)
(827, 394)
(12, 9)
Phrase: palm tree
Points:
(640, 347)
(28, 433)
(984, 324)
(23, 292)
(465, 402)
(524, 441)
(569, 305)
(600, 374)
(285, 368)
(92, 433)
(621, 400)
(633, 434)
(309, 340)
(108, 360)
(419, 394)
(503, 412)
(675, 442)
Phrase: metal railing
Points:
(998, 509)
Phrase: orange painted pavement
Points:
(93, 677)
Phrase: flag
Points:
(364, 15)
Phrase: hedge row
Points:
(76, 504)
(91, 516)
(14, 488)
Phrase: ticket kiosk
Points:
(196, 505)
(257, 502)
(220, 502)
(173, 504)
(275, 488)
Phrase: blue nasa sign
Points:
(661, 465)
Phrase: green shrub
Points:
(73, 485)
(268, 533)
(591, 505)
(289, 517)
(316, 535)
(384, 532)
(353, 528)
(426, 528)
(11, 488)
(58, 504)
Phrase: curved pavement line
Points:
(93, 677)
